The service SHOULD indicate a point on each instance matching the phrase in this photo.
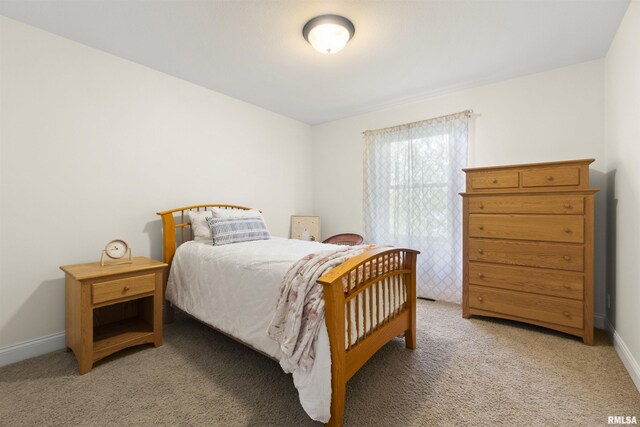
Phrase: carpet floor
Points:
(476, 372)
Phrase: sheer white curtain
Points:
(412, 179)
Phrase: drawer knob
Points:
(567, 286)
(480, 251)
(549, 178)
(125, 289)
(566, 258)
(566, 314)
(568, 206)
(494, 180)
(481, 206)
(480, 299)
(481, 275)
(567, 230)
(481, 227)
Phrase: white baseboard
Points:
(599, 321)
(28, 349)
(625, 355)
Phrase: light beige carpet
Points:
(465, 372)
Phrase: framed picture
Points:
(305, 227)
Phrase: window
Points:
(413, 174)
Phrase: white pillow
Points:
(235, 213)
(199, 226)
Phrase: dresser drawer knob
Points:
(480, 251)
(567, 286)
(481, 205)
(481, 227)
(549, 178)
(567, 230)
(126, 289)
(566, 314)
(494, 180)
(481, 275)
(480, 299)
(568, 206)
(566, 258)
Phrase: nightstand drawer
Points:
(551, 177)
(550, 228)
(122, 288)
(489, 180)
(571, 205)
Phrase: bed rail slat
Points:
(348, 305)
(378, 302)
(357, 318)
(396, 291)
(370, 310)
(384, 299)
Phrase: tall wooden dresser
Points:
(528, 245)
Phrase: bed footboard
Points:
(369, 300)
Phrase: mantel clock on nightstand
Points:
(109, 308)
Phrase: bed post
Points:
(168, 310)
(410, 333)
(334, 303)
(168, 250)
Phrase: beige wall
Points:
(93, 145)
(622, 124)
(554, 115)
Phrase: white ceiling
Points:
(253, 50)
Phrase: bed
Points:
(378, 304)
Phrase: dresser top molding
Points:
(528, 165)
(531, 192)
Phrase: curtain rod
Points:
(467, 112)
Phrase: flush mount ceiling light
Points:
(328, 33)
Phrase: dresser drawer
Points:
(527, 204)
(550, 228)
(535, 307)
(551, 177)
(491, 180)
(545, 255)
(565, 284)
(122, 288)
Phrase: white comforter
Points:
(235, 289)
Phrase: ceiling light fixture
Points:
(328, 33)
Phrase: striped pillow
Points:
(237, 229)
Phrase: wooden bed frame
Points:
(383, 273)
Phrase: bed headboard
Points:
(172, 232)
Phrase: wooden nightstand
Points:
(112, 307)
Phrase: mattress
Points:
(235, 289)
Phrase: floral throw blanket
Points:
(300, 309)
